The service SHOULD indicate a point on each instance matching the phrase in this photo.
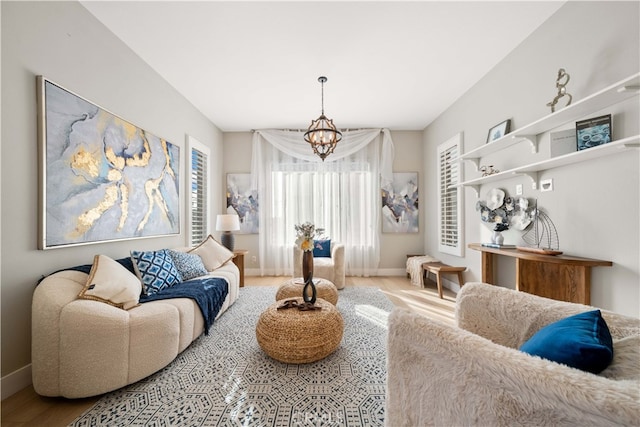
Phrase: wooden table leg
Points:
(487, 267)
(460, 279)
(439, 282)
(238, 260)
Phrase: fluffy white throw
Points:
(414, 268)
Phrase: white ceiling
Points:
(255, 65)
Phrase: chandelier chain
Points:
(322, 80)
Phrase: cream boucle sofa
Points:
(473, 374)
(332, 269)
(85, 348)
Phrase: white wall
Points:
(595, 204)
(394, 247)
(64, 42)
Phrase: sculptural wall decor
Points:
(501, 212)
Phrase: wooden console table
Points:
(561, 277)
(238, 260)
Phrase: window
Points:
(198, 194)
(342, 196)
(344, 202)
(450, 237)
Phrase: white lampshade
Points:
(227, 222)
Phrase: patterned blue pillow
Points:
(156, 270)
(189, 265)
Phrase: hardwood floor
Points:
(26, 408)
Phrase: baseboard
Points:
(391, 272)
(15, 381)
(380, 272)
(252, 272)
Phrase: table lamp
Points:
(227, 223)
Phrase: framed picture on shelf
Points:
(499, 130)
(593, 132)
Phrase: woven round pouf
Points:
(295, 336)
(292, 288)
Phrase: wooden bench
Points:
(439, 268)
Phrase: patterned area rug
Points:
(224, 379)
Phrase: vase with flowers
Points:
(305, 233)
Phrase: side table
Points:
(238, 260)
(295, 337)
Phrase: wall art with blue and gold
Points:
(102, 178)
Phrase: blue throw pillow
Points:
(156, 270)
(582, 341)
(322, 248)
(189, 265)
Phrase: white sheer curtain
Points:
(341, 194)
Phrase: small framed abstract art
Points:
(593, 132)
(242, 201)
(499, 130)
(101, 177)
(400, 213)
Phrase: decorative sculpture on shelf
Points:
(562, 90)
(541, 235)
(488, 170)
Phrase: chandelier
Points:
(322, 133)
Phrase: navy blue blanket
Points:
(209, 292)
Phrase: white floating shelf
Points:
(610, 95)
(531, 170)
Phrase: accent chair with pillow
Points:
(328, 261)
(513, 359)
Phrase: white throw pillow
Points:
(111, 283)
(213, 254)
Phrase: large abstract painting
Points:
(102, 178)
(400, 212)
(243, 201)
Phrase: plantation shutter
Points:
(450, 198)
(198, 191)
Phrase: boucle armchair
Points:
(330, 268)
(474, 374)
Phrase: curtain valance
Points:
(292, 143)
